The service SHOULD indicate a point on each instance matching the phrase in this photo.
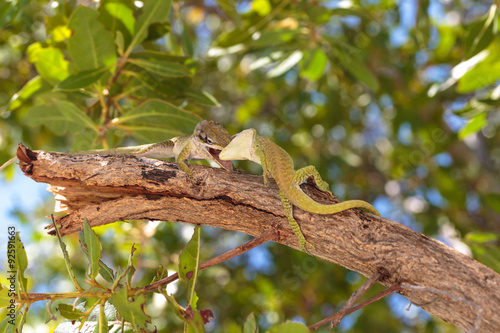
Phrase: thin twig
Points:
(355, 296)
(395, 287)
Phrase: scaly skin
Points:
(207, 140)
(277, 164)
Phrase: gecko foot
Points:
(302, 245)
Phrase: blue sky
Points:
(21, 194)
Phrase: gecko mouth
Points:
(228, 165)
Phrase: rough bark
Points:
(106, 188)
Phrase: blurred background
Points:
(394, 102)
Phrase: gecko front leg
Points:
(183, 156)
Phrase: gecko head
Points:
(241, 147)
(212, 134)
(214, 137)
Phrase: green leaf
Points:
(187, 40)
(157, 55)
(313, 64)
(289, 327)
(486, 254)
(229, 8)
(57, 27)
(61, 117)
(6, 11)
(195, 325)
(145, 86)
(265, 60)
(357, 68)
(97, 319)
(481, 33)
(250, 324)
(131, 308)
(156, 30)
(493, 200)
(120, 42)
(319, 16)
(235, 40)
(5, 298)
(189, 263)
(21, 263)
(91, 46)
(148, 86)
(481, 237)
(352, 11)
(34, 86)
(156, 120)
(67, 263)
(153, 11)
(85, 140)
(202, 98)
(479, 71)
(106, 272)
(275, 37)
(482, 75)
(91, 245)
(119, 276)
(261, 7)
(162, 68)
(32, 51)
(68, 312)
(82, 79)
(474, 125)
(102, 326)
(161, 272)
(51, 65)
(118, 17)
(286, 64)
(11, 324)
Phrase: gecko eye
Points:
(202, 137)
(209, 141)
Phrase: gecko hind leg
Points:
(287, 205)
(183, 156)
(302, 174)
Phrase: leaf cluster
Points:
(100, 77)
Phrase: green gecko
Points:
(277, 164)
(205, 143)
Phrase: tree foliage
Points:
(395, 103)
